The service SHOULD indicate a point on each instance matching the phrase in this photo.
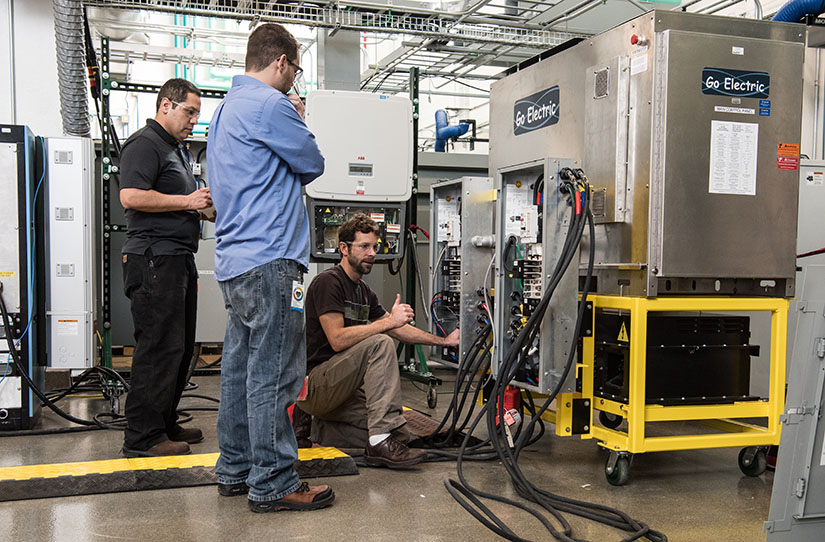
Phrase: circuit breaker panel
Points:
(534, 214)
(461, 262)
(326, 218)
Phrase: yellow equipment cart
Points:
(724, 417)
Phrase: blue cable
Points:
(6, 372)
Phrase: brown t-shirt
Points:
(334, 291)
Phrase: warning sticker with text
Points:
(788, 163)
(787, 149)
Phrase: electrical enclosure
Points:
(70, 309)
(688, 127)
(326, 218)
(533, 219)
(366, 140)
(19, 181)
(462, 213)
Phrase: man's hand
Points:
(297, 103)
(453, 338)
(401, 314)
(199, 199)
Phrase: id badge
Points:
(297, 296)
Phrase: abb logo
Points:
(362, 158)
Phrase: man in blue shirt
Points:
(260, 154)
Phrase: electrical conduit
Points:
(71, 66)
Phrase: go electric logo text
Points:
(536, 111)
(737, 83)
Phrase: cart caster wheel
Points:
(619, 474)
(611, 421)
(752, 461)
(432, 397)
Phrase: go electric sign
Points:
(741, 84)
(536, 111)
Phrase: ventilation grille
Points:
(597, 204)
(64, 213)
(63, 157)
(65, 270)
(602, 83)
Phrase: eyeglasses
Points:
(298, 70)
(192, 113)
(365, 247)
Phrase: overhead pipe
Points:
(71, 66)
(443, 131)
(795, 11)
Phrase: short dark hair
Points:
(266, 45)
(358, 223)
(176, 90)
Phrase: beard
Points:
(363, 266)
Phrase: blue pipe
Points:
(443, 131)
(795, 10)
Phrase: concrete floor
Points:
(690, 496)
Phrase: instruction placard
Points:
(733, 153)
(68, 328)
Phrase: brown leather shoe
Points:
(393, 454)
(306, 497)
(192, 435)
(167, 447)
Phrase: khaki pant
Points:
(355, 393)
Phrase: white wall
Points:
(28, 67)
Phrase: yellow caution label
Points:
(623, 334)
(7, 273)
(327, 210)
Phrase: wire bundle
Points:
(473, 367)
(554, 505)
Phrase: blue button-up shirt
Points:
(259, 153)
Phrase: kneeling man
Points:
(351, 361)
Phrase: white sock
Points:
(375, 439)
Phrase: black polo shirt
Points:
(151, 159)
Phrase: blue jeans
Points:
(262, 371)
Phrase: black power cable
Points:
(22, 371)
(97, 422)
(466, 495)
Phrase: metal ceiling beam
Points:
(485, 30)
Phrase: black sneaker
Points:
(233, 490)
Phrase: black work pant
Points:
(163, 292)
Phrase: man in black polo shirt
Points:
(162, 200)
